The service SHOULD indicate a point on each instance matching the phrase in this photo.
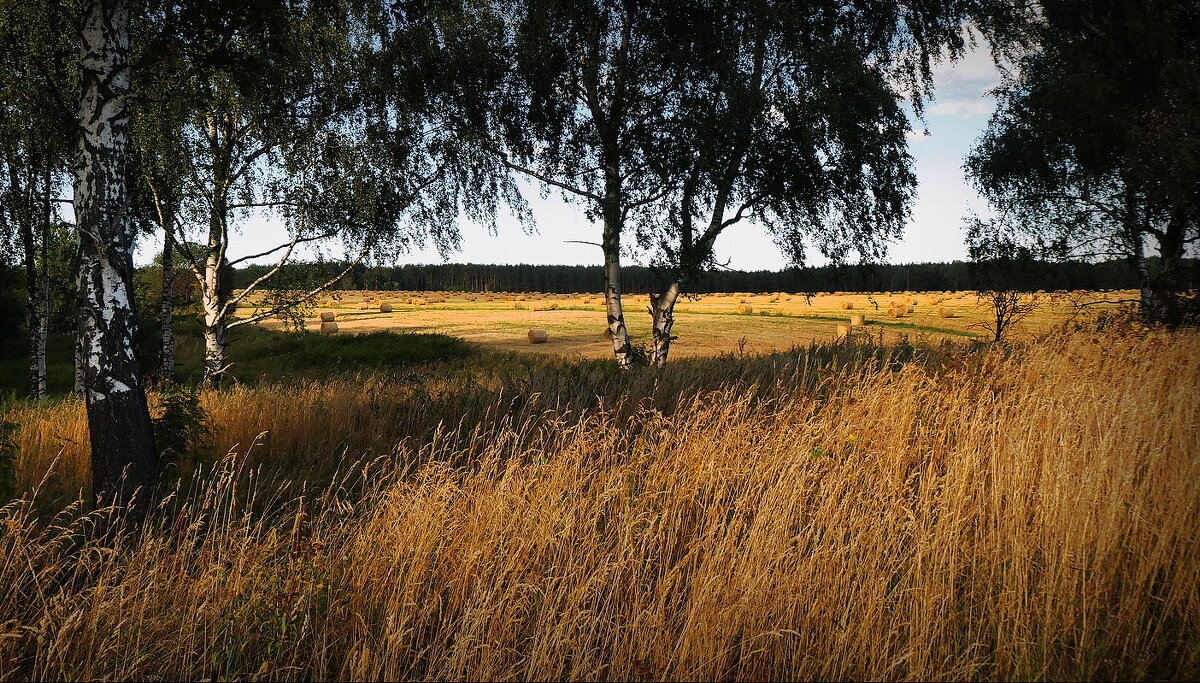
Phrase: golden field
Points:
(850, 511)
(777, 322)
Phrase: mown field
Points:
(922, 510)
(705, 326)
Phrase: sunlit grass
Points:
(1029, 511)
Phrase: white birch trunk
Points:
(214, 333)
(167, 308)
(617, 332)
(662, 314)
(124, 459)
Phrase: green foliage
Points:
(8, 460)
(181, 428)
(1092, 150)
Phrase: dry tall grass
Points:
(1033, 513)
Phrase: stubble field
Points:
(707, 324)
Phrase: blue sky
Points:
(954, 120)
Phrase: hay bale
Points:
(858, 319)
(551, 306)
(843, 331)
(328, 316)
(538, 337)
(910, 308)
(521, 297)
(946, 313)
(847, 305)
(745, 308)
(895, 313)
(385, 307)
(329, 328)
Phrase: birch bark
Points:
(167, 304)
(124, 459)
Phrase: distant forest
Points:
(956, 275)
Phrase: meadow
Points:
(764, 323)
(927, 509)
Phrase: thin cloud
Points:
(962, 108)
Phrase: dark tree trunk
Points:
(34, 306)
(1161, 291)
(124, 459)
(23, 211)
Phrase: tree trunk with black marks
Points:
(611, 245)
(77, 389)
(43, 277)
(662, 314)
(213, 296)
(124, 459)
(166, 352)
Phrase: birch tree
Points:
(791, 115)
(565, 93)
(124, 459)
(271, 125)
(1092, 150)
(35, 130)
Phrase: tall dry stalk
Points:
(1032, 513)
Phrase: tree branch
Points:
(301, 299)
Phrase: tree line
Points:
(562, 279)
(371, 126)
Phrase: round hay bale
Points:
(843, 331)
(895, 313)
(847, 305)
(329, 328)
(538, 337)
(328, 316)
(910, 308)
(946, 313)
(552, 306)
(745, 308)
(858, 319)
(385, 307)
(521, 297)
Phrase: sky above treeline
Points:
(934, 233)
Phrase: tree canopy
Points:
(1094, 150)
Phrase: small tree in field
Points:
(999, 269)
(272, 111)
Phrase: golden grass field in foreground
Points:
(707, 326)
(1024, 512)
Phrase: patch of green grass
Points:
(257, 353)
(844, 318)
